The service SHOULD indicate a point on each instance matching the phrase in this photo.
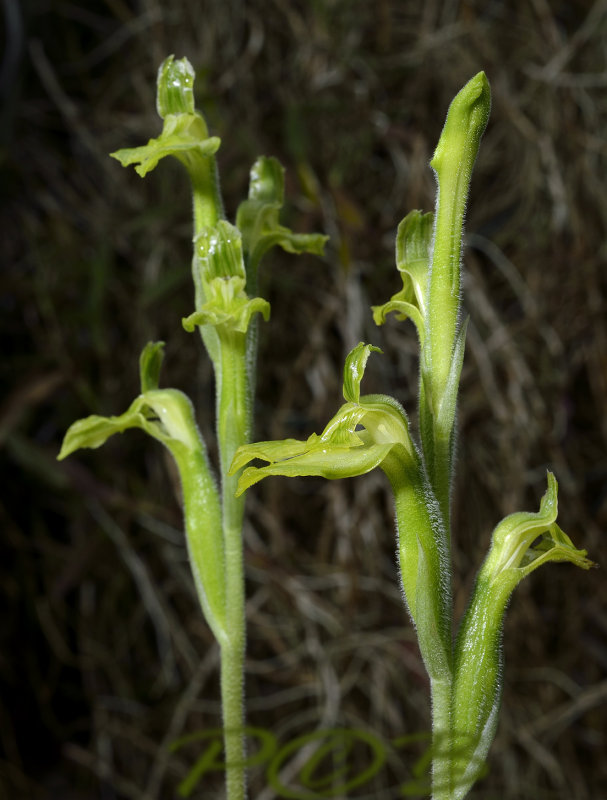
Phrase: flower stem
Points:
(441, 738)
(233, 429)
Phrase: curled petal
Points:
(354, 370)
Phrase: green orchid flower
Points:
(520, 544)
(413, 253)
(359, 438)
(372, 431)
(184, 136)
(167, 415)
(257, 219)
(221, 273)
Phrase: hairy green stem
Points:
(207, 203)
(441, 691)
(233, 429)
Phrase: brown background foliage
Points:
(104, 658)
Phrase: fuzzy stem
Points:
(233, 429)
(442, 756)
(233, 407)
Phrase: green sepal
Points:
(218, 252)
(354, 369)
(175, 87)
(513, 555)
(314, 457)
(150, 364)
(165, 414)
(413, 251)
(258, 218)
(184, 136)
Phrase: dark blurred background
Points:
(104, 657)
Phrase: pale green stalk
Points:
(233, 429)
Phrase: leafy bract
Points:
(168, 416)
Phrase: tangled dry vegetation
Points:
(105, 659)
